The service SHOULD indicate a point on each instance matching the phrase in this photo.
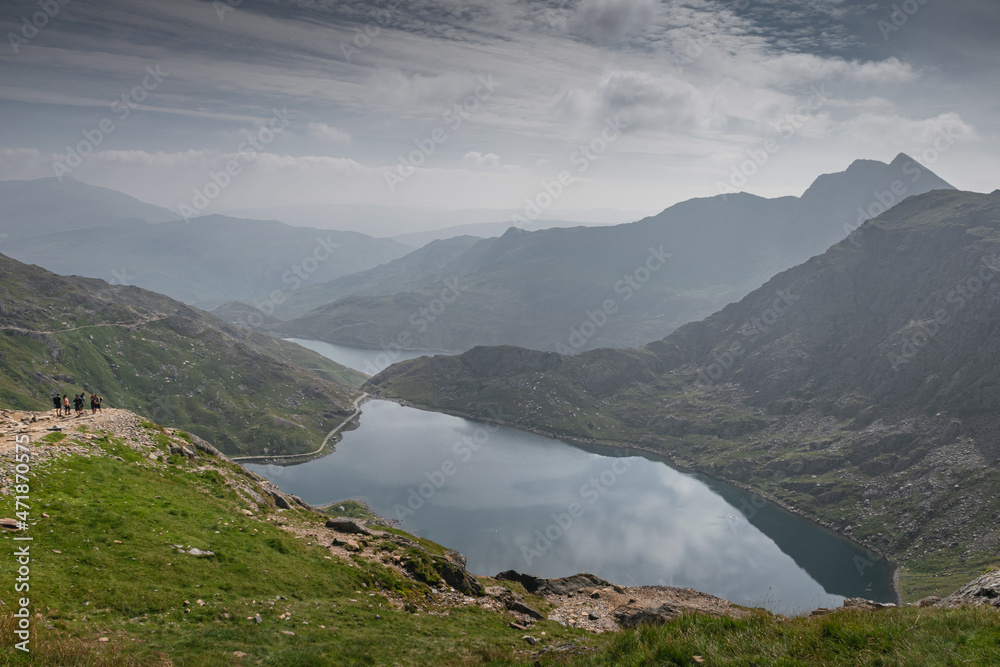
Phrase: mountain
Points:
(860, 388)
(247, 393)
(483, 230)
(209, 260)
(585, 287)
(435, 262)
(50, 206)
(392, 221)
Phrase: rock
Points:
(522, 608)
(629, 616)
(563, 586)
(198, 553)
(257, 619)
(288, 632)
(456, 557)
(861, 603)
(204, 446)
(531, 640)
(344, 524)
(10, 524)
(281, 501)
(596, 595)
(517, 626)
(927, 602)
(984, 591)
(457, 577)
(594, 616)
(350, 545)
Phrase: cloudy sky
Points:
(453, 104)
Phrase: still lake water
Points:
(366, 361)
(508, 499)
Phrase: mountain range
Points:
(581, 288)
(76, 229)
(859, 388)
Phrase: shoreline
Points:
(894, 568)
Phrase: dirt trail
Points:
(14, 423)
(136, 323)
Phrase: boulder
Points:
(630, 616)
(457, 577)
(343, 524)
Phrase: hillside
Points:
(858, 388)
(247, 393)
(436, 262)
(49, 206)
(570, 290)
(210, 260)
(148, 547)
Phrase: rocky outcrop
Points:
(346, 525)
(561, 586)
(983, 592)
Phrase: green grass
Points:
(902, 637)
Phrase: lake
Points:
(514, 500)
(371, 362)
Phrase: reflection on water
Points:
(513, 500)
(370, 362)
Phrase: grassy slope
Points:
(244, 392)
(103, 566)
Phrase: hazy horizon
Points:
(492, 105)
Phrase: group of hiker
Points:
(62, 404)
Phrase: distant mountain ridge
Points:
(50, 206)
(586, 287)
(77, 229)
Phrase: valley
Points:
(805, 406)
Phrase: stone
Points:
(528, 610)
(344, 524)
(982, 592)
(594, 616)
(257, 619)
(10, 524)
(517, 626)
(198, 553)
(531, 640)
(280, 500)
(629, 616)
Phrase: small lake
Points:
(514, 500)
(371, 362)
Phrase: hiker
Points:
(99, 401)
(93, 404)
(65, 400)
(78, 404)
(57, 404)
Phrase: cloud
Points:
(475, 159)
(897, 130)
(326, 132)
(611, 21)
